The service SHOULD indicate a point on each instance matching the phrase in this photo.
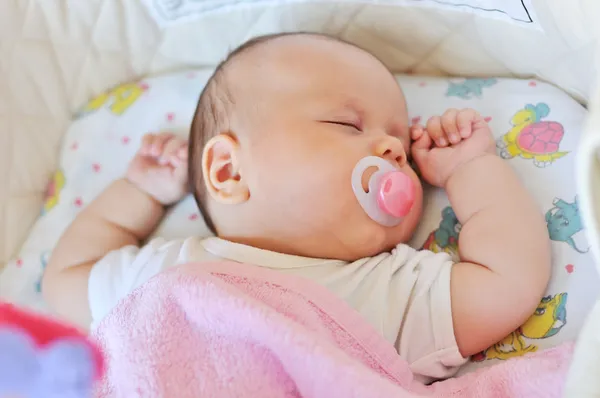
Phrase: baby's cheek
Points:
(412, 220)
(371, 239)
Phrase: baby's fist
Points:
(450, 141)
(159, 168)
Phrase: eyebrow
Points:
(352, 104)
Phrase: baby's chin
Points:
(384, 239)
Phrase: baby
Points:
(278, 132)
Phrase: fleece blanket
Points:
(231, 330)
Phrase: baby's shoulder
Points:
(180, 249)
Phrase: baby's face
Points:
(312, 109)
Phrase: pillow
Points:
(537, 127)
(101, 140)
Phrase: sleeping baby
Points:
(300, 158)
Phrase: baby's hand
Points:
(159, 168)
(449, 141)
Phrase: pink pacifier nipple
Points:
(396, 194)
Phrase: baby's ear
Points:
(220, 168)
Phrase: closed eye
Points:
(355, 126)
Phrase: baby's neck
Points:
(296, 247)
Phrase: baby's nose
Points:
(391, 149)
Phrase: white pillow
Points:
(100, 142)
(107, 132)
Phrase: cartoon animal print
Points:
(52, 196)
(469, 88)
(445, 238)
(531, 138)
(547, 320)
(118, 99)
(564, 222)
(44, 262)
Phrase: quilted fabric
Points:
(96, 149)
(55, 55)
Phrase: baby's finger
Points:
(146, 144)
(416, 131)
(172, 152)
(182, 153)
(421, 147)
(169, 149)
(435, 131)
(449, 125)
(172, 146)
(464, 120)
(159, 143)
(181, 174)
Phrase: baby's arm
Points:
(124, 214)
(503, 245)
(504, 249)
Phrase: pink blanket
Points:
(231, 330)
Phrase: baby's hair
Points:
(212, 116)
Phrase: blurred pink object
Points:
(232, 330)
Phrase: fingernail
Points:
(454, 138)
(442, 142)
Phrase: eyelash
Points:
(345, 124)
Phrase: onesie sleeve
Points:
(426, 333)
(121, 271)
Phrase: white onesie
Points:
(404, 294)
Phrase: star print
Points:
(570, 268)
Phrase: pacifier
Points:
(391, 192)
